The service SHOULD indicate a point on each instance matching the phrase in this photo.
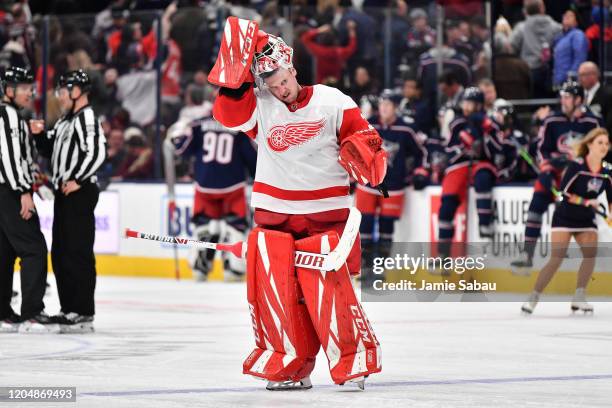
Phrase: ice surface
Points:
(162, 343)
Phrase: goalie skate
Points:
(289, 385)
(360, 381)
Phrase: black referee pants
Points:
(23, 239)
(72, 255)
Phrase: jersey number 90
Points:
(218, 147)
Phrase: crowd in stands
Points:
(360, 46)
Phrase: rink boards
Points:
(144, 207)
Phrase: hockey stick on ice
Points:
(327, 262)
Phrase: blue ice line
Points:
(83, 346)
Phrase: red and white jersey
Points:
(298, 146)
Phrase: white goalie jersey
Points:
(298, 145)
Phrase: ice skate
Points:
(579, 303)
(289, 385)
(75, 323)
(10, 323)
(522, 266)
(360, 381)
(531, 303)
(41, 323)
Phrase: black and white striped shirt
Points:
(16, 150)
(76, 146)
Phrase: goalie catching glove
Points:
(363, 158)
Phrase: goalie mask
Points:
(274, 55)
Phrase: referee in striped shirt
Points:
(77, 148)
(20, 234)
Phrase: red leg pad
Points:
(286, 342)
(338, 318)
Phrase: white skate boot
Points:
(289, 385)
(579, 302)
(531, 303)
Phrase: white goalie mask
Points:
(275, 54)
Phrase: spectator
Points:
(193, 36)
(512, 75)
(115, 153)
(125, 48)
(400, 26)
(427, 73)
(362, 86)
(412, 108)
(420, 38)
(456, 38)
(593, 34)
(570, 50)
(196, 107)
(367, 54)
(451, 90)
(532, 39)
(596, 96)
(138, 162)
(14, 52)
(102, 94)
(271, 20)
(490, 93)
(330, 57)
(242, 9)
(503, 27)
(482, 48)
(480, 33)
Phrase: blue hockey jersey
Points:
(559, 133)
(222, 157)
(405, 147)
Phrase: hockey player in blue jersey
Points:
(559, 133)
(406, 151)
(470, 160)
(223, 159)
(511, 140)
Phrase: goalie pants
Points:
(23, 239)
(295, 310)
(305, 225)
(72, 255)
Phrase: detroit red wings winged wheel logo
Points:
(282, 137)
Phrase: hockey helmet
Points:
(78, 78)
(572, 88)
(473, 94)
(16, 75)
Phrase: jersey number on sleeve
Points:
(218, 147)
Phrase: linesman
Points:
(20, 234)
(77, 148)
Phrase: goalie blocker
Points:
(296, 310)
